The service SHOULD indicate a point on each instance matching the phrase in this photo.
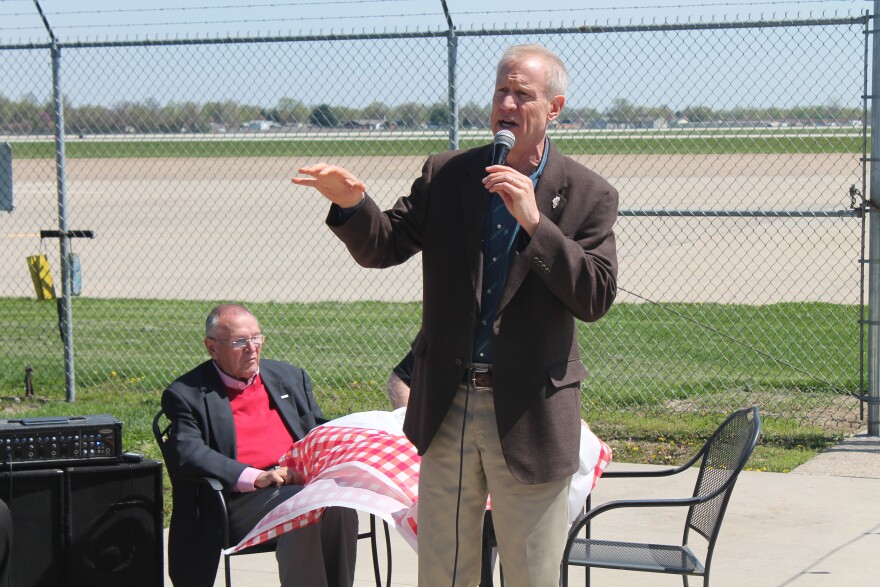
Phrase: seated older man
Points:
(232, 418)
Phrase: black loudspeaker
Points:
(94, 526)
(114, 525)
(36, 503)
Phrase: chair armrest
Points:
(624, 474)
(652, 473)
(217, 488)
(586, 517)
(212, 483)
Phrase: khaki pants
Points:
(530, 520)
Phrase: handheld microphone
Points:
(501, 146)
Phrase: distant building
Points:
(365, 124)
(650, 123)
(259, 125)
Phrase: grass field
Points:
(124, 359)
(707, 142)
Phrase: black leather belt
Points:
(479, 377)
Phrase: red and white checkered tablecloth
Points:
(363, 461)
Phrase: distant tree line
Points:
(625, 113)
(32, 116)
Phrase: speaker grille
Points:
(114, 529)
(36, 503)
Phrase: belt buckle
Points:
(474, 371)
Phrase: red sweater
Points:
(260, 434)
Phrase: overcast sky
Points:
(103, 19)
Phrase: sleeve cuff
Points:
(246, 480)
(341, 215)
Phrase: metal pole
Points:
(65, 313)
(874, 238)
(452, 61)
(452, 49)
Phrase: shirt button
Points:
(488, 291)
(483, 322)
(499, 226)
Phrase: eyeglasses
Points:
(240, 343)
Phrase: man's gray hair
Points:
(557, 76)
(215, 315)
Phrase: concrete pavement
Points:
(816, 526)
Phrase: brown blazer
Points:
(566, 270)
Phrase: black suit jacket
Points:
(202, 443)
(566, 270)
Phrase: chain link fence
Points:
(737, 149)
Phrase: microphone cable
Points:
(467, 393)
(9, 507)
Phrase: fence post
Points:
(452, 51)
(874, 238)
(65, 314)
(452, 63)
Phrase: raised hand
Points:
(336, 184)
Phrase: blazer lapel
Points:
(473, 204)
(551, 202)
(552, 185)
(276, 388)
(219, 413)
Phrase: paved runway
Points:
(236, 228)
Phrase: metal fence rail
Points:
(737, 148)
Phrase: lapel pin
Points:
(555, 202)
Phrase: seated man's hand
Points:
(276, 477)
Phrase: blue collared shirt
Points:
(497, 255)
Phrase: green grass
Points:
(140, 345)
(760, 142)
(636, 438)
(188, 148)
(640, 355)
(708, 145)
(687, 350)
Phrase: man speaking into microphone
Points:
(513, 251)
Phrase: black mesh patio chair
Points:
(720, 460)
(160, 432)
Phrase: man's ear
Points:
(556, 104)
(209, 344)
